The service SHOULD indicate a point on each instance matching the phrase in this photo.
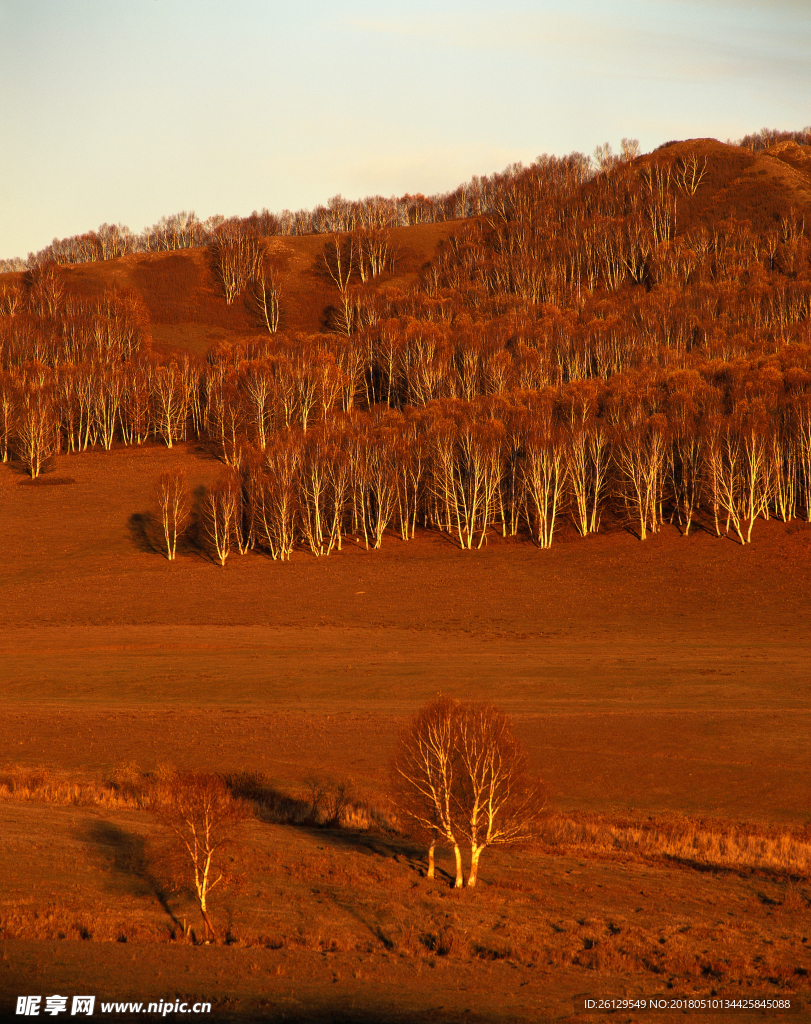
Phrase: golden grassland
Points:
(695, 842)
(674, 905)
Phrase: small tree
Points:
(174, 506)
(267, 297)
(460, 775)
(424, 774)
(37, 431)
(499, 802)
(202, 817)
(222, 507)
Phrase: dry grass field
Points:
(663, 693)
(661, 689)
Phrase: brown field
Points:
(663, 691)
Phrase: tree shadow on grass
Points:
(141, 526)
(271, 805)
(126, 853)
(146, 535)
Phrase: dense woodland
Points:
(596, 341)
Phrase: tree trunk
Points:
(459, 876)
(211, 935)
(431, 863)
(475, 853)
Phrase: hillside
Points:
(184, 303)
(553, 455)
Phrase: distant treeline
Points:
(595, 345)
(184, 230)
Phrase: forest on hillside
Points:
(626, 340)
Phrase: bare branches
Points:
(424, 774)
(222, 514)
(37, 435)
(659, 200)
(498, 803)
(689, 172)
(173, 499)
(459, 773)
(202, 817)
(237, 255)
(267, 297)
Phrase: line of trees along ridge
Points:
(587, 349)
(480, 196)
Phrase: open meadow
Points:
(663, 694)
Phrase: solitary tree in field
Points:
(460, 775)
(424, 777)
(202, 817)
(174, 506)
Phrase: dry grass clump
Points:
(323, 802)
(126, 790)
(320, 802)
(56, 922)
(692, 841)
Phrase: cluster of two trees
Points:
(460, 777)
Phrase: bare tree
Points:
(424, 777)
(689, 173)
(273, 497)
(11, 299)
(8, 409)
(169, 403)
(222, 510)
(267, 297)
(174, 506)
(202, 817)
(498, 802)
(37, 431)
(237, 256)
(47, 289)
(459, 773)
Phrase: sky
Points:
(125, 112)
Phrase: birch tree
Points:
(202, 817)
(460, 775)
(497, 803)
(174, 506)
(424, 774)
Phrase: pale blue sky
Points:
(126, 111)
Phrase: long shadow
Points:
(129, 862)
(145, 536)
(275, 807)
(140, 527)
